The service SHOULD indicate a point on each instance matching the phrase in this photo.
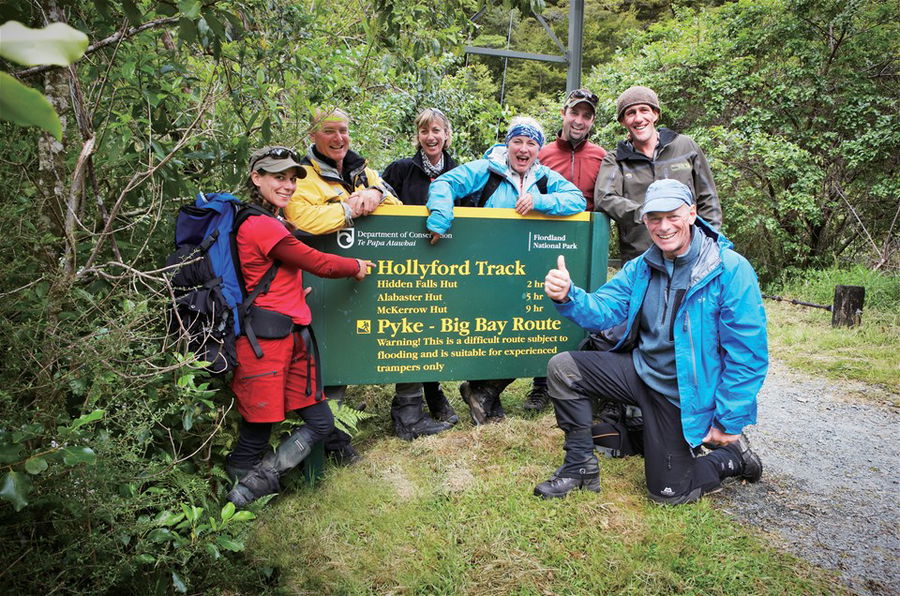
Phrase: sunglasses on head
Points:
(584, 94)
(277, 153)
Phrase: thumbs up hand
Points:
(558, 281)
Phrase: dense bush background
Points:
(111, 445)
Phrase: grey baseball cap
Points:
(276, 159)
(666, 195)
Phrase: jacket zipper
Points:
(265, 374)
(690, 334)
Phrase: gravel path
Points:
(830, 484)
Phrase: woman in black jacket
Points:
(410, 178)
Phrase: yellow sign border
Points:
(422, 211)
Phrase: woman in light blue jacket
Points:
(509, 176)
(520, 181)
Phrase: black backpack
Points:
(478, 199)
(619, 431)
(212, 307)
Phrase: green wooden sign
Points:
(470, 307)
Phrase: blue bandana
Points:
(523, 130)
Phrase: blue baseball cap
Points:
(666, 195)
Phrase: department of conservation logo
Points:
(346, 237)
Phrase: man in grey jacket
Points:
(646, 155)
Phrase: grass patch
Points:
(804, 339)
(454, 514)
(882, 290)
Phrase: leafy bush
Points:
(112, 444)
(792, 101)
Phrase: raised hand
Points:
(557, 282)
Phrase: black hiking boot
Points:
(496, 415)
(338, 449)
(345, 455)
(438, 405)
(264, 478)
(478, 400)
(235, 471)
(752, 467)
(410, 421)
(557, 486)
(537, 399)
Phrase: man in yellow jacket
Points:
(339, 186)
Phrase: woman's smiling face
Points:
(523, 152)
(432, 139)
(276, 188)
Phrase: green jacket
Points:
(626, 173)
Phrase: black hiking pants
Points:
(674, 472)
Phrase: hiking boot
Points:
(264, 478)
(537, 399)
(495, 413)
(260, 481)
(235, 472)
(338, 448)
(345, 455)
(752, 467)
(410, 421)
(440, 408)
(557, 487)
(478, 400)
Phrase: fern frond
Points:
(347, 418)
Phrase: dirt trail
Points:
(831, 485)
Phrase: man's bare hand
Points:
(370, 198)
(557, 282)
(357, 206)
(717, 438)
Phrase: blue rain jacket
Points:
(562, 198)
(721, 350)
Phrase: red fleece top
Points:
(260, 241)
(579, 165)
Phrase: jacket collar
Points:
(327, 167)
(566, 145)
(705, 254)
(625, 149)
(449, 162)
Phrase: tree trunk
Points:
(848, 304)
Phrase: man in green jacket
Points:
(646, 155)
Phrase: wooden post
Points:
(848, 304)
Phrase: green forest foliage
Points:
(111, 445)
(794, 102)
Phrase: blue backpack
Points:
(211, 300)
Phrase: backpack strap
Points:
(312, 351)
(261, 288)
(493, 183)
(244, 212)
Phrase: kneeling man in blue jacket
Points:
(693, 357)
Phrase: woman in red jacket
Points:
(286, 377)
